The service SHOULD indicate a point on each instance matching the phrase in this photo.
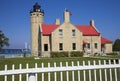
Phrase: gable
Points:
(67, 28)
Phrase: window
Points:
(88, 45)
(73, 46)
(73, 32)
(45, 47)
(96, 45)
(60, 46)
(60, 32)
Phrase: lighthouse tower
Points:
(36, 18)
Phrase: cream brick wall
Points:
(36, 19)
(46, 40)
(67, 39)
(92, 40)
(108, 48)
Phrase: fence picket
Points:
(61, 73)
(67, 75)
(110, 71)
(42, 73)
(100, 71)
(73, 72)
(5, 75)
(115, 71)
(20, 76)
(48, 72)
(36, 75)
(95, 78)
(13, 76)
(78, 64)
(55, 77)
(27, 66)
(89, 71)
(105, 71)
(84, 74)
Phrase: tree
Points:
(4, 41)
(116, 45)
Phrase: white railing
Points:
(88, 71)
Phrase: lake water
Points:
(12, 53)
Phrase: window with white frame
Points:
(73, 32)
(60, 32)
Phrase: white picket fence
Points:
(88, 71)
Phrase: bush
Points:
(59, 54)
(76, 54)
(111, 53)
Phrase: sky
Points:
(15, 17)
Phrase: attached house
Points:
(47, 38)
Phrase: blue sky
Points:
(15, 19)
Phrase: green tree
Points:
(116, 45)
(4, 41)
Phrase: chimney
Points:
(57, 21)
(66, 16)
(92, 23)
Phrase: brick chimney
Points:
(92, 23)
(66, 16)
(57, 21)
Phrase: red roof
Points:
(104, 40)
(48, 28)
(88, 30)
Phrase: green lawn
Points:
(31, 61)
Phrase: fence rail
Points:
(99, 70)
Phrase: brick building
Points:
(47, 38)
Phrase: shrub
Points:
(76, 54)
(112, 54)
(59, 54)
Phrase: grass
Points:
(31, 61)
